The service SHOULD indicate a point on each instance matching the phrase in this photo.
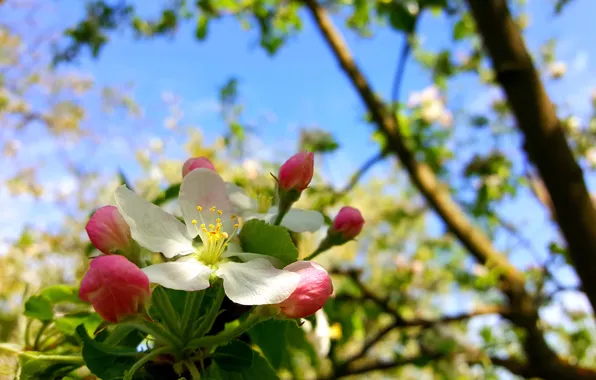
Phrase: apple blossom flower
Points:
(115, 287)
(557, 69)
(312, 292)
(296, 173)
(207, 212)
(109, 232)
(195, 163)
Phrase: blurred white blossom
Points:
(557, 69)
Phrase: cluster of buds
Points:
(117, 287)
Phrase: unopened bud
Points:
(115, 287)
(313, 290)
(348, 223)
(195, 163)
(296, 173)
(109, 232)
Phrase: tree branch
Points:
(400, 322)
(545, 140)
(361, 171)
(421, 175)
(523, 309)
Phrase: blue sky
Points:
(301, 86)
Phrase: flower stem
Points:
(159, 333)
(162, 303)
(324, 246)
(192, 305)
(226, 336)
(286, 200)
(207, 323)
(27, 333)
(39, 334)
(194, 371)
(144, 360)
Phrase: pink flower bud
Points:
(348, 222)
(108, 231)
(296, 173)
(196, 163)
(312, 292)
(115, 287)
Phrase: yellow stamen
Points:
(233, 216)
(219, 212)
(212, 209)
(194, 221)
(199, 208)
(236, 225)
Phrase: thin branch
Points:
(399, 321)
(361, 172)
(524, 313)
(421, 174)
(377, 365)
(545, 140)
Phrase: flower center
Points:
(215, 240)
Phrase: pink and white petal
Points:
(184, 275)
(299, 220)
(242, 203)
(256, 282)
(246, 256)
(205, 188)
(151, 226)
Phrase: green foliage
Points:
(106, 361)
(39, 307)
(36, 366)
(318, 141)
(257, 236)
(235, 356)
(259, 369)
(280, 340)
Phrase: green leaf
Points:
(62, 293)
(36, 367)
(400, 18)
(257, 236)
(103, 360)
(236, 356)
(259, 369)
(202, 27)
(463, 28)
(169, 193)
(277, 339)
(68, 324)
(39, 307)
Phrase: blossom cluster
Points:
(205, 247)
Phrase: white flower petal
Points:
(257, 282)
(246, 256)
(242, 204)
(180, 275)
(299, 220)
(205, 188)
(152, 227)
(322, 334)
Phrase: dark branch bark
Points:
(524, 314)
(545, 141)
(421, 175)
